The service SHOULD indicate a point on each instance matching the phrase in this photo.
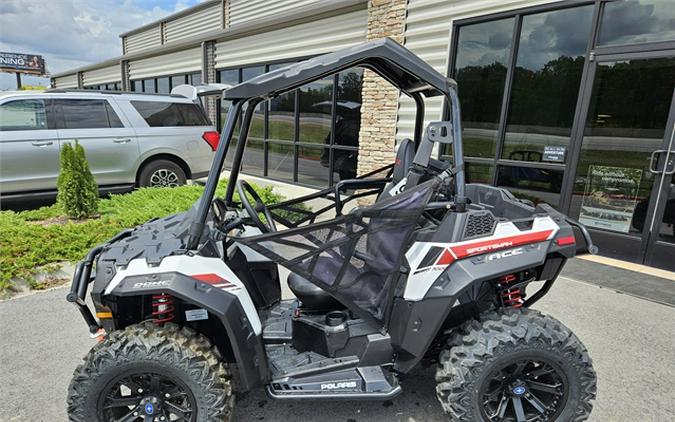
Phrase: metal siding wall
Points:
(241, 11)
(306, 39)
(68, 81)
(167, 64)
(428, 32)
(205, 20)
(143, 40)
(103, 75)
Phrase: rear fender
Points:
(416, 323)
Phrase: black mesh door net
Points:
(355, 257)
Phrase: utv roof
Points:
(386, 57)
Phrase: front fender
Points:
(225, 305)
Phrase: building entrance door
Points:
(624, 190)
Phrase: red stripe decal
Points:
(446, 258)
(209, 278)
(478, 248)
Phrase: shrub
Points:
(77, 189)
(27, 245)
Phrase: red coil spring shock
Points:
(162, 308)
(512, 298)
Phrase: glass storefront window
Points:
(177, 80)
(480, 70)
(479, 173)
(534, 184)
(315, 111)
(625, 124)
(281, 114)
(149, 86)
(195, 79)
(281, 161)
(253, 161)
(230, 77)
(257, 129)
(163, 85)
(344, 163)
(546, 83)
(348, 111)
(311, 168)
(637, 21)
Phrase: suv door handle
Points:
(122, 140)
(42, 143)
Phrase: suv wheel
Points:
(162, 173)
(516, 366)
(151, 373)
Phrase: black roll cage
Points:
(403, 69)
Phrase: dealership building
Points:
(566, 102)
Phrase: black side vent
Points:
(479, 224)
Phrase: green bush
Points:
(77, 189)
(27, 245)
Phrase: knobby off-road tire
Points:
(481, 348)
(178, 354)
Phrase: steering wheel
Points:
(244, 188)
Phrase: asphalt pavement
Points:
(631, 340)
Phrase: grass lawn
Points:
(38, 240)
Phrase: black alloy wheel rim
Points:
(147, 397)
(526, 390)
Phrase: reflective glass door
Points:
(661, 246)
(621, 188)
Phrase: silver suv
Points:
(130, 139)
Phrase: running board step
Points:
(369, 383)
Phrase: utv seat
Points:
(313, 297)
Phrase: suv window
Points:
(23, 115)
(157, 113)
(87, 114)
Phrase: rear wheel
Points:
(151, 373)
(162, 173)
(516, 366)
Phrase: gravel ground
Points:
(631, 341)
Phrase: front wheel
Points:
(151, 373)
(516, 366)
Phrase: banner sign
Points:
(610, 197)
(22, 63)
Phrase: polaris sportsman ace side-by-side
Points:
(188, 308)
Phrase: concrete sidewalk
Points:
(629, 339)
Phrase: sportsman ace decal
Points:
(442, 257)
(429, 260)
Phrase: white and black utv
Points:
(189, 308)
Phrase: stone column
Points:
(386, 18)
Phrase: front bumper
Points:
(81, 279)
